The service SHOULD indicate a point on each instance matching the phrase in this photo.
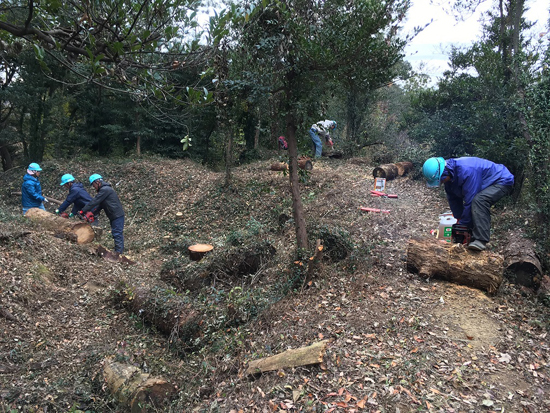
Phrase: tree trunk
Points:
(76, 231)
(303, 356)
(521, 263)
(297, 206)
(135, 390)
(453, 262)
(388, 171)
(303, 163)
(7, 162)
(169, 313)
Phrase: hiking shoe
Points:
(476, 245)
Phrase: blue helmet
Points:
(94, 178)
(66, 179)
(432, 170)
(34, 167)
(334, 124)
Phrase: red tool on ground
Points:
(383, 211)
(382, 194)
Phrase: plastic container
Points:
(445, 230)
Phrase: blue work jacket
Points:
(31, 192)
(469, 176)
(77, 196)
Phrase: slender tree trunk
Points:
(22, 133)
(297, 206)
(138, 142)
(7, 162)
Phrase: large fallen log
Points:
(137, 391)
(303, 356)
(77, 231)
(403, 168)
(170, 313)
(521, 263)
(430, 257)
(388, 171)
(303, 163)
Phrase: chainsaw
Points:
(88, 216)
(461, 234)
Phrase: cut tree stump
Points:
(303, 356)
(198, 251)
(521, 263)
(388, 171)
(303, 163)
(430, 257)
(137, 391)
(77, 231)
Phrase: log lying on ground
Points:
(388, 171)
(135, 390)
(392, 170)
(303, 356)
(76, 231)
(403, 168)
(170, 313)
(430, 257)
(521, 263)
(53, 200)
(303, 163)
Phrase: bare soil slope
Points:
(397, 343)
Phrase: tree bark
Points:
(303, 163)
(303, 356)
(135, 390)
(76, 231)
(403, 168)
(453, 262)
(388, 171)
(521, 263)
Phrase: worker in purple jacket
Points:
(472, 185)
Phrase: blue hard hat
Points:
(94, 178)
(334, 124)
(34, 167)
(432, 170)
(66, 179)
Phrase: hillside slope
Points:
(397, 343)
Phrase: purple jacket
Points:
(469, 177)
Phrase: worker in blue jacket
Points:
(78, 196)
(31, 190)
(472, 185)
(107, 199)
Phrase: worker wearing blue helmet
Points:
(107, 199)
(31, 190)
(78, 196)
(472, 185)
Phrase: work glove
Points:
(46, 200)
(330, 143)
(71, 215)
(57, 212)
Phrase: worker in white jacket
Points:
(318, 130)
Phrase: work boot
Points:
(477, 245)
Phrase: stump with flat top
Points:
(137, 391)
(198, 251)
(430, 257)
(77, 231)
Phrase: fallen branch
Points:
(303, 356)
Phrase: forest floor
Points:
(397, 343)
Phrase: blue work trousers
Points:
(317, 144)
(117, 228)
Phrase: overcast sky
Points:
(429, 46)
